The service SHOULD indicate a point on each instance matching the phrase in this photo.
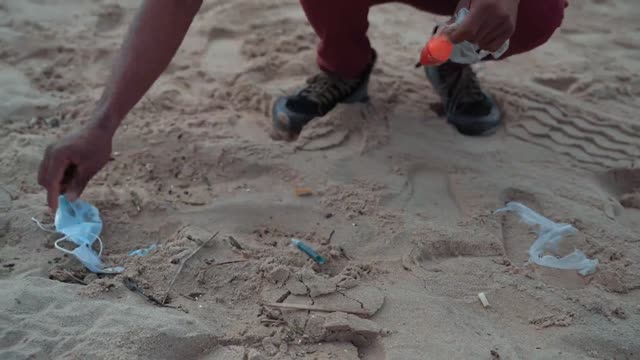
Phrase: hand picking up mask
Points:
(80, 224)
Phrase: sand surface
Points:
(408, 200)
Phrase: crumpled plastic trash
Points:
(80, 224)
(143, 251)
(550, 234)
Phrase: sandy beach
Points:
(401, 205)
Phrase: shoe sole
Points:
(483, 126)
(480, 133)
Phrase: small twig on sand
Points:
(73, 277)
(343, 253)
(235, 243)
(132, 285)
(188, 297)
(316, 308)
(331, 235)
(182, 262)
(229, 262)
(271, 321)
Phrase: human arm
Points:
(152, 40)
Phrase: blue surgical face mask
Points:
(80, 223)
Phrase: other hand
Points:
(490, 23)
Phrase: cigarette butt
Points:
(483, 299)
(304, 191)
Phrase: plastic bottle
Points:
(439, 48)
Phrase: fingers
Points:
(493, 39)
(466, 31)
(77, 184)
(56, 167)
(485, 32)
(44, 167)
(488, 25)
(53, 192)
(490, 39)
(494, 44)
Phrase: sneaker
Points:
(467, 107)
(320, 95)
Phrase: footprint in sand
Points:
(620, 182)
(560, 83)
(428, 193)
(516, 238)
(110, 17)
(357, 127)
(223, 55)
(623, 186)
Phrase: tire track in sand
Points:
(588, 137)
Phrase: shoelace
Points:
(460, 84)
(326, 89)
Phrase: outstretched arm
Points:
(151, 43)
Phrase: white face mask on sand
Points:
(80, 223)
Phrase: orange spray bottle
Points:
(437, 51)
(439, 48)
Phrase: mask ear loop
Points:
(71, 252)
(55, 244)
(49, 229)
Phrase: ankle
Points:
(355, 74)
